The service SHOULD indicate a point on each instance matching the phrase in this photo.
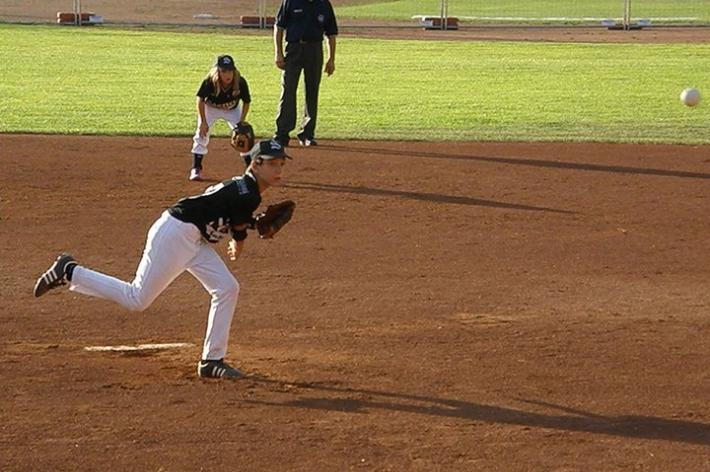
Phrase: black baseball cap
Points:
(226, 62)
(267, 149)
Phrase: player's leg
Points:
(312, 73)
(232, 116)
(286, 116)
(199, 143)
(170, 246)
(214, 275)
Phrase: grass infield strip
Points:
(114, 81)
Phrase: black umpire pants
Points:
(306, 57)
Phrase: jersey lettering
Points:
(242, 186)
(216, 230)
(213, 189)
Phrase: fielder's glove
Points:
(274, 218)
(242, 137)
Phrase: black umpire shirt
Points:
(222, 206)
(225, 100)
(306, 20)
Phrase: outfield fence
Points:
(369, 13)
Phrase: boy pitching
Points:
(183, 239)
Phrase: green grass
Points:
(533, 11)
(112, 81)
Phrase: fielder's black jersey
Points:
(220, 207)
(226, 100)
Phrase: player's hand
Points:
(234, 250)
(203, 130)
(330, 66)
(280, 61)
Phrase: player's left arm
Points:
(245, 111)
(330, 63)
(331, 32)
(245, 96)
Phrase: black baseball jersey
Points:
(225, 100)
(306, 20)
(220, 207)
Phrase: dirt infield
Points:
(430, 307)
(228, 12)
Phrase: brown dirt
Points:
(457, 306)
(228, 12)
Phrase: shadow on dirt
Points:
(427, 197)
(353, 400)
(528, 162)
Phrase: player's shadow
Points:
(527, 162)
(362, 401)
(427, 197)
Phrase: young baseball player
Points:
(224, 94)
(183, 239)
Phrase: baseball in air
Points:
(690, 97)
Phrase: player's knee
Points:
(138, 305)
(233, 287)
(229, 288)
(139, 302)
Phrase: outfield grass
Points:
(538, 11)
(112, 81)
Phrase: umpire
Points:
(305, 22)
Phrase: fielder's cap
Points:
(268, 149)
(226, 62)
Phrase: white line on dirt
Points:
(140, 347)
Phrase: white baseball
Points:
(690, 97)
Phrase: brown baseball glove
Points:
(242, 137)
(274, 218)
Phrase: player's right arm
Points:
(279, 47)
(235, 249)
(279, 28)
(206, 89)
(204, 128)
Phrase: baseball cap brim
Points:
(267, 150)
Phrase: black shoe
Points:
(281, 140)
(303, 141)
(217, 370)
(55, 275)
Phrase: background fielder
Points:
(219, 97)
(182, 239)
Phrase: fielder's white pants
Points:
(172, 247)
(212, 114)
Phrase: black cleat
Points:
(282, 141)
(55, 275)
(217, 370)
(307, 141)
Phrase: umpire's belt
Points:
(303, 41)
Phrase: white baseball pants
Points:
(171, 248)
(212, 114)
